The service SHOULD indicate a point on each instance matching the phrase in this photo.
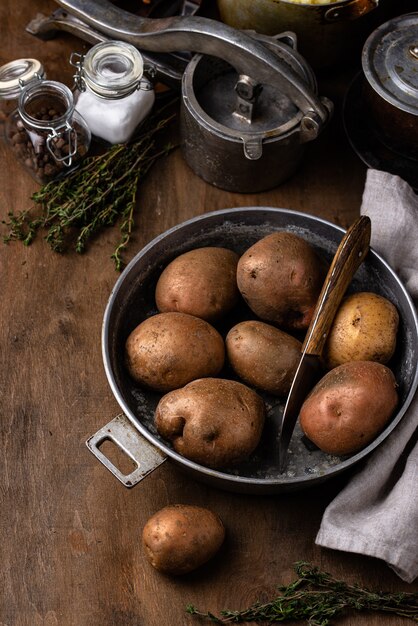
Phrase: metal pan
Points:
(132, 300)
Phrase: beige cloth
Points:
(376, 513)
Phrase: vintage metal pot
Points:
(252, 141)
(132, 301)
(390, 85)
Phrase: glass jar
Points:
(45, 132)
(113, 94)
(13, 76)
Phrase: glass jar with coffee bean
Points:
(13, 77)
(46, 134)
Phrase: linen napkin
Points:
(376, 513)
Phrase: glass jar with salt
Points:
(113, 94)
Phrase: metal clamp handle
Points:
(122, 433)
(56, 134)
(206, 36)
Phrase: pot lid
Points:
(390, 62)
(237, 109)
(274, 113)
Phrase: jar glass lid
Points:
(17, 73)
(113, 69)
(390, 62)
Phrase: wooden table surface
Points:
(70, 532)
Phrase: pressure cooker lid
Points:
(390, 62)
(214, 89)
(273, 111)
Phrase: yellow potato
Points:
(349, 406)
(179, 538)
(169, 350)
(263, 356)
(364, 329)
(200, 282)
(212, 421)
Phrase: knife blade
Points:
(350, 254)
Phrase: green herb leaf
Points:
(315, 597)
(101, 192)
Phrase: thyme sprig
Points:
(315, 597)
(102, 191)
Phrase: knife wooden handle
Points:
(349, 256)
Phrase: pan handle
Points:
(121, 432)
(206, 36)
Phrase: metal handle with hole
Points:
(121, 432)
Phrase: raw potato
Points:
(349, 406)
(212, 421)
(200, 282)
(179, 538)
(169, 350)
(364, 329)
(280, 277)
(263, 356)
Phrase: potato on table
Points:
(263, 356)
(364, 329)
(200, 282)
(169, 350)
(349, 406)
(280, 277)
(212, 421)
(179, 538)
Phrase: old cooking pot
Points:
(390, 84)
(132, 301)
(240, 136)
(328, 33)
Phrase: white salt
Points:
(115, 120)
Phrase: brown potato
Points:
(212, 421)
(364, 329)
(280, 277)
(200, 282)
(179, 538)
(263, 356)
(169, 350)
(349, 406)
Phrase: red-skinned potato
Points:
(212, 421)
(280, 277)
(263, 356)
(180, 538)
(364, 329)
(349, 407)
(168, 350)
(200, 282)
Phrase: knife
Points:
(348, 258)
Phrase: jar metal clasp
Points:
(25, 83)
(76, 60)
(54, 138)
